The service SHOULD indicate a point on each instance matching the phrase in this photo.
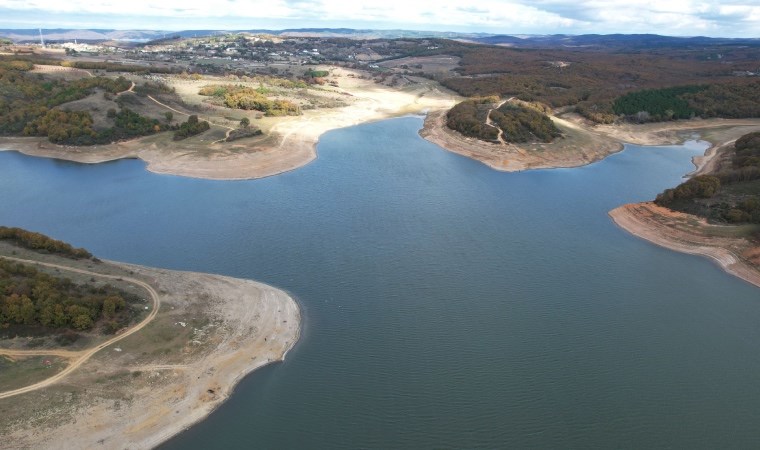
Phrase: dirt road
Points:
(82, 356)
(490, 123)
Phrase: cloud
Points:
(676, 17)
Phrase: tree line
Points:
(39, 242)
(732, 194)
(654, 105)
(735, 100)
(117, 67)
(75, 127)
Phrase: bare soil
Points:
(690, 234)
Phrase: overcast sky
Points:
(729, 18)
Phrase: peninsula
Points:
(193, 337)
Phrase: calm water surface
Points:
(446, 305)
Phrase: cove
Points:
(446, 305)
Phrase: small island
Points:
(118, 355)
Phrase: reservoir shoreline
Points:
(637, 219)
(687, 233)
(133, 394)
(294, 144)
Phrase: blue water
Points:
(446, 305)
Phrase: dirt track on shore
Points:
(80, 357)
(218, 329)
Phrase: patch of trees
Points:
(599, 112)
(191, 127)
(747, 151)
(317, 73)
(734, 100)
(39, 242)
(62, 127)
(243, 132)
(75, 127)
(246, 98)
(26, 102)
(732, 194)
(655, 105)
(519, 123)
(469, 118)
(33, 299)
(151, 88)
(703, 186)
(524, 124)
(16, 65)
(116, 67)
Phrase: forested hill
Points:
(515, 123)
(35, 106)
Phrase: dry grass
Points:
(20, 372)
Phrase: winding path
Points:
(131, 89)
(83, 355)
(229, 129)
(490, 123)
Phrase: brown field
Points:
(98, 107)
(67, 73)
(438, 65)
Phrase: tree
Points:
(245, 122)
(169, 116)
(27, 312)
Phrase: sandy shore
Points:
(210, 332)
(689, 234)
(667, 133)
(684, 232)
(289, 142)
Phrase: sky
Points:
(727, 18)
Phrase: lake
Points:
(446, 305)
